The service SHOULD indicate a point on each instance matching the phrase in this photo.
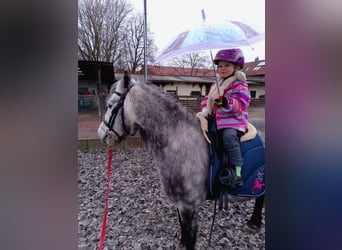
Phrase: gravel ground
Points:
(139, 216)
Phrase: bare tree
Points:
(100, 28)
(192, 60)
(133, 45)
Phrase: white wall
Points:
(183, 88)
(186, 88)
(259, 88)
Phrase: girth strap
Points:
(227, 180)
(223, 198)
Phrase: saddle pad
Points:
(253, 169)
(251, 133)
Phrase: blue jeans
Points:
(231, 146)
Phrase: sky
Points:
(167, 18)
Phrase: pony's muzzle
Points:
(107, 136)
(102, 131)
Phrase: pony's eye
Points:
(109, 106)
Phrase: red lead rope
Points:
(104, 223)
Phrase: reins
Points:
(104, 221)
(110, 125)
(212, 223)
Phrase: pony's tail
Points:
(126, 79)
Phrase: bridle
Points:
(115, 112)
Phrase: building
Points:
(94, 80)
(255, 72)
(94, 77)
(187, 84)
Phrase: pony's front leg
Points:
(188, 221)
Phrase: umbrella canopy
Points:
(225, 35)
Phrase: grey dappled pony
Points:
(173, 137)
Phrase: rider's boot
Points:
(237, 178)
(235, 175)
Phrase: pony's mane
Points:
(171, 105)
(157, 113)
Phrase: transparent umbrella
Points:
(223, 35)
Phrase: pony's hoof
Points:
(251, 228)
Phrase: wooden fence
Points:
(192, 102)
(91, 103)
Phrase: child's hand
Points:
(204, 126)
(221, 101)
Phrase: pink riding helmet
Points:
(230, 55)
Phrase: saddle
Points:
(253, 169)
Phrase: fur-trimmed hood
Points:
(223, 84)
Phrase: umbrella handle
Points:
(212, 62)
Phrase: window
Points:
(195, 93)
(253, 93)
(261, 64)
(83, 91)
(171, 92)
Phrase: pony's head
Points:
(113, 125)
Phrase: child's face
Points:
(225, 69)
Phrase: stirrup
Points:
(227, 177)
(238, 181)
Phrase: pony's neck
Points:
(155, 114)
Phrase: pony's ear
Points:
(121, 85)
(113, 87)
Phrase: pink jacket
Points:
(235, 114)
